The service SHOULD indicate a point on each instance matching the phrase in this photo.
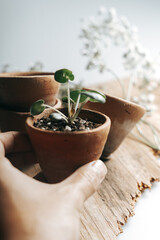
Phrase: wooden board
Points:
(131, 169)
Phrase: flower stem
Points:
(119, 80)
(146, 140)
(130, 87)
(154, 131)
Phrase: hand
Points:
(32, 210)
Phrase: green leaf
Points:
(94, 96)
(63, 75)
(74, 96)
(65, 100)
(56, 117)
(37, 107)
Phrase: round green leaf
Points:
(37, 107)
(63, 75)
(94, 96)
(65, 100)
(74, 96)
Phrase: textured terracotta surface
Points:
(19, 90)
(15, 121)
(123, 114)
(61, 153)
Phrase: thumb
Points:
(86, 179)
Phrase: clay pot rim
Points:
(122, 100)
(33, 74)
(127, 102)
(58, 101)
(30, 120)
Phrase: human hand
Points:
(32, 210)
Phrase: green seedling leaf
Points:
(63, 75)
(65, 100)
(94, 96)
(37, 107)
(56, 117)
(74, 96)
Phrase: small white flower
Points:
(135, 99)
(125, 21)
(151, 98)
(143, 97)
(151, 107)
(112, 14)
(150, 88)
(102, 10)
(154, 84)
(92, 20)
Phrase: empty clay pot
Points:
(15, 121)
(61, 153)
(123, 114)
(20, 89)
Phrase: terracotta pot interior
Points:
(96, 117)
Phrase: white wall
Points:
(48, 30)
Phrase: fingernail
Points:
(100, 169)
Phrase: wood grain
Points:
(131, 169)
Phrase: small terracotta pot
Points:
(123, 114)
(20, 89)
(61, 153)
(15, 121)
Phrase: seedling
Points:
(75, 99)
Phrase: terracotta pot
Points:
(15, 121)
(123, 114)
(61, 153)
(19, 90)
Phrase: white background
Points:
(48, 30)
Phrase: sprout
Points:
(37, 107)
(75, 99)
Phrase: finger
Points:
(86, 179)
(14, 142)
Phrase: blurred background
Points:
(48, 31)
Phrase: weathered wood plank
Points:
(131, 169)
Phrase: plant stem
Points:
(154, 131)
(56, 110)
(76, 107)
(147, 141)
(77, 103)
(69, 101)
(131, 81)
(80, 108)
(119, 80)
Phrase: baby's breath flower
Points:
(106, 29)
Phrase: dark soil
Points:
(79, 124)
